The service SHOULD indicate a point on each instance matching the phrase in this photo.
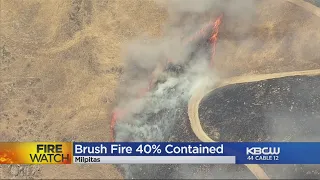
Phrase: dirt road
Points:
(204, 90)
(61, 61)
(206, 87)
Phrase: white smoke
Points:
(144, 55)
(152, 117)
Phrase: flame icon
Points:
(6, 157)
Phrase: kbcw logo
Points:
(263, 151)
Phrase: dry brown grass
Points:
(60, 67)
(61, 61)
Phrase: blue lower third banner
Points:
(197, 153)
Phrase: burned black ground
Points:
(270, 110)
(283, 109)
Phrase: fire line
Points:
(213, 40)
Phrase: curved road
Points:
(204, 88)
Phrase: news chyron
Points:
(36, 153)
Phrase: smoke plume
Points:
(161, 73)
(189, 63)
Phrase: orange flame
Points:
(214, 38)
(6, 157)
(201, 32)
(112, 125)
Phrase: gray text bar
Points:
(154, 159)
